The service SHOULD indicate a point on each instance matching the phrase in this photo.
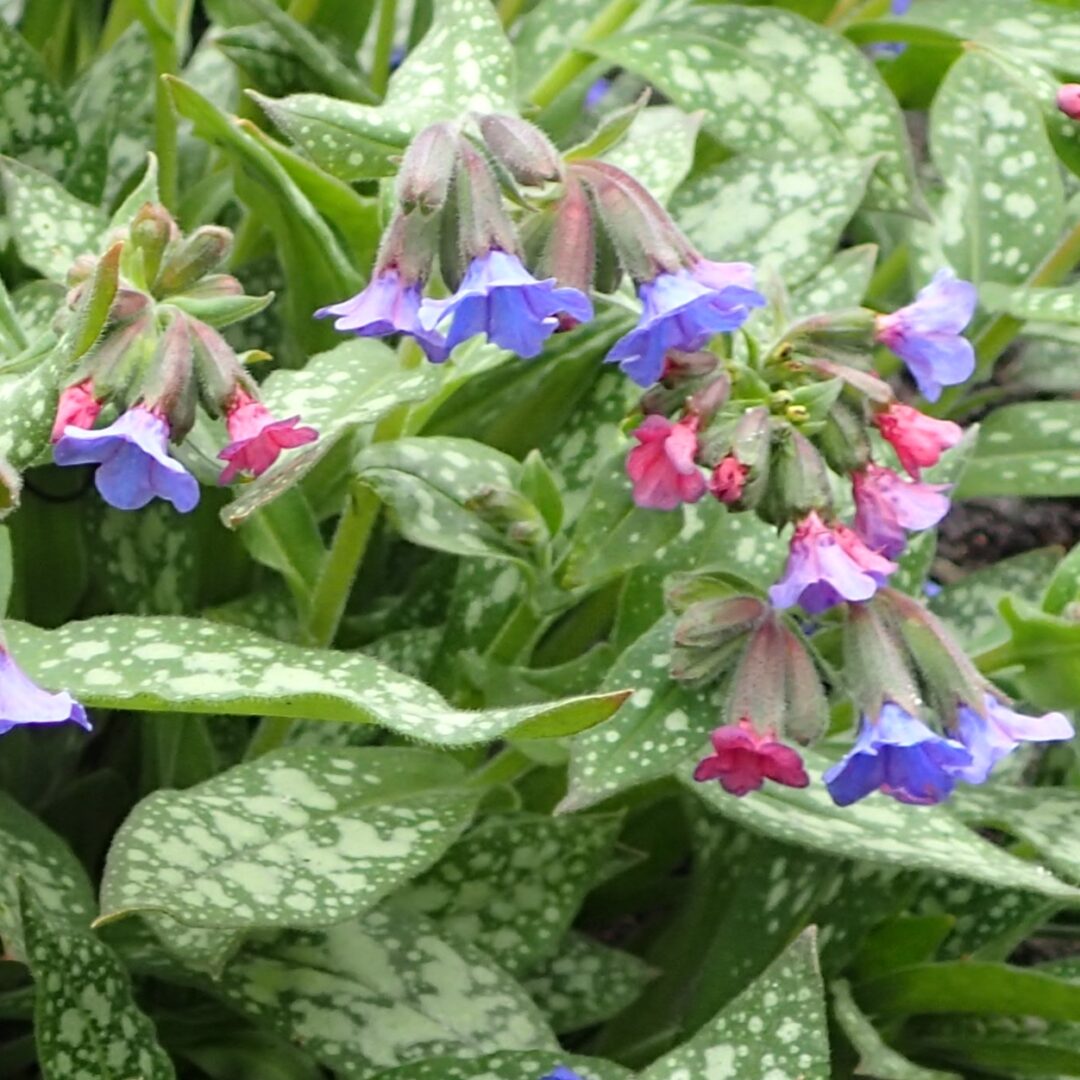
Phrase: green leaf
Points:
(1041, 654)
(1030, 449)
(1042, 305)
(6, 572)
(145, 191)
(311, 836)
(658, 149)
(463, 64)
(85, 1020)
(49, 226)
(508, 1065)
(35, 125)
(45, 863)
(876, 1057)
(775, 1028)
(513, 884)
(544, 33)
(881, 831)
(381, 991)
(831, 101)
(841, 283)
(1004, 204)
(166, 664)
(586, 983)
(771, 210)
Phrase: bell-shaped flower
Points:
(927, 334)
(662, 467)
(918, 439)
(502, 300)
(257, 438)
(896, 753)
(743, 758)
(77, 407)
(887, 507)
(991, 737)
(389, 304)
(682, 311)
(133, 461)
(827, 565)
(22, 701)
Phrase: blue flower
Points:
(388, 305)
(561, 1072)
(926, 334)
(683, 310)
(501, 299)
(24, 702)
(133, 459)
(899, 755)
(991, 737)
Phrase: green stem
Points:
(303, 11)
(840, 12)
(507, 765)
(509, 10)
(573, 62)
(384, 46)
(997, 659)
(160, 23)
(516, 635)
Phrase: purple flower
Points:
(133, 455)
(899, 755)
(596, 93)
(561, 1072)
(826, 566)
(501, 299)
(683, 310)
(24, 702)
(886, 505)
(926, 334)
(990, 738)
(387, 306)
(900, 7)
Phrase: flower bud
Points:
(511, 514)
(800, 480)
(409, 246)
(875, 661)
(727, 480)
(424, 178)
(569, 255)
(751, 446)
(169, 387)
(524, 150)
(114, 361)
(681, 366)
(202, 252)
(710, 634)
(711, 398)
(877, 390)
(482, 222)
(843, 439)
(1068, 100)
(151, 231)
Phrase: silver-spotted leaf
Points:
(658, 150)
(508, 1065)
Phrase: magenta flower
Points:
(900, 756)
(24, 702)
(388, 305)
(133, 461)
(682, 311)
(257, 438)
(918, 439)
(828, 564)
(662, 468)
(887, 506)
(1068, 100)
(744, 758)
(926, 334)
(727, 479)
(77, 407)
(501, 299)
(990, 738)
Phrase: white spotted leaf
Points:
(508, 1065)
(841, 283)
(302, 837)
(881, 830)
(463, 64)
(724, 59)
(775, 1028)
(512, 885)
(86, 1024)
(45, 863)
(1041, 305)
(658, 150)
(381, 991)
(49, 226)
(1004, 203)
(771, 210)
(1030, 449)
(169, 664)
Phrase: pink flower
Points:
(828, 564)
(727, 479)
(886, 505)
(77, 407)
(662, 468)
(257, 438)
(918, 439)
(743, 759)
(1068, 100)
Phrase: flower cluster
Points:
(148, 311)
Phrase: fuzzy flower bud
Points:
(78, 407)
(522, 149)
(427, 169)
(727, 480)
(918, 439)
(1068, 100)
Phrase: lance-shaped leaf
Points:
(658, 150)
(302, 837)
(165, 664)
(85, 1020)
(381, 991)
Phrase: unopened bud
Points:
(169, 388)
(681, 366)
(511, 514)
(201, 253)
(526, 153)
(727, 480)
(875, 661)
(113, 363)
(151, 231)
(570, 252)
(712, 397)
(219, 368)
(1068, 100)
(710, 635)
(482, 221)
(875, 389)
(409, 246)
(807, 712)
(129, 304)
(426, 169)
(843, 438)
(800, 479)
